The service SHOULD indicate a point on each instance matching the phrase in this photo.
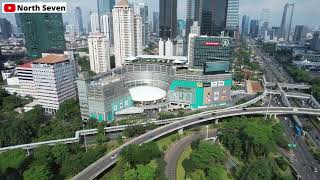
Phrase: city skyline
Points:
(252, 8)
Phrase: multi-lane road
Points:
(106, 161)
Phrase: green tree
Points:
(12, 159)
(60, 153)
(206, 155)
(145, 172)
(198, 175)
(101, 135)
(262, 168)
(136, 154)
(38, 172)
(44, 155)
(131, 174)
(68, 110)
(217, 172)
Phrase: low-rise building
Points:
(7, 73)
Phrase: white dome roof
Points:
(147, 93)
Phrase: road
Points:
(173, 154)
(106, 161)
(303, 159)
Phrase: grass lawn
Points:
(180, 170)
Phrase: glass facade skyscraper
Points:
(43, 32)
(105, 6)
(214, 15)
(232, 21)
(286, 22)
(168, 19)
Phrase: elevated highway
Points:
(105, 162)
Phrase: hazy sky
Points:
(306, 11)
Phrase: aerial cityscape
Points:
(160, 90)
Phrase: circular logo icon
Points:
(225, 42)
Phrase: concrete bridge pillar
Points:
(216, 121)
(180, 132)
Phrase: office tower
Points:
(232, 21)
(274, 33)
(245, 25)
(194, 12)
(168, 19)
(315, 42)
(181, 30)
(263, 29)
(254, 28)
(71, 29)
(210, 52)
(18, 23)
(141, 10)
(79, 22)
(106, 26)
(43, 32)
(155, 23)
(5, 28)
(105, 6)
(54, 77)
(286, 22)
(99, 53)
(214, 16)
(265, 15)
(299, 34)
(95, 22)
(127, 30)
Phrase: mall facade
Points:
(140, 88)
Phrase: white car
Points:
(114, 156)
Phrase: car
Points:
(244, 109)
(213, 114)
(200, 118)
(314, 169)
(114, 156)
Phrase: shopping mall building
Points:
(144, 88)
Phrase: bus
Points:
(298, 130)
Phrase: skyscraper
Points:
(79, 22)
(245, 25)
(298, 33)
(127, 32)
(18, 22)
(254, 28)
(168, 19)
(194, 12)
(99, 53)
(106, 27)
(43, 32)
(286, 22)
(155, 23)
(95, 22)
(232, 21)
(214, 15)
(5, 28)
(141, 10)
(105, 6)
